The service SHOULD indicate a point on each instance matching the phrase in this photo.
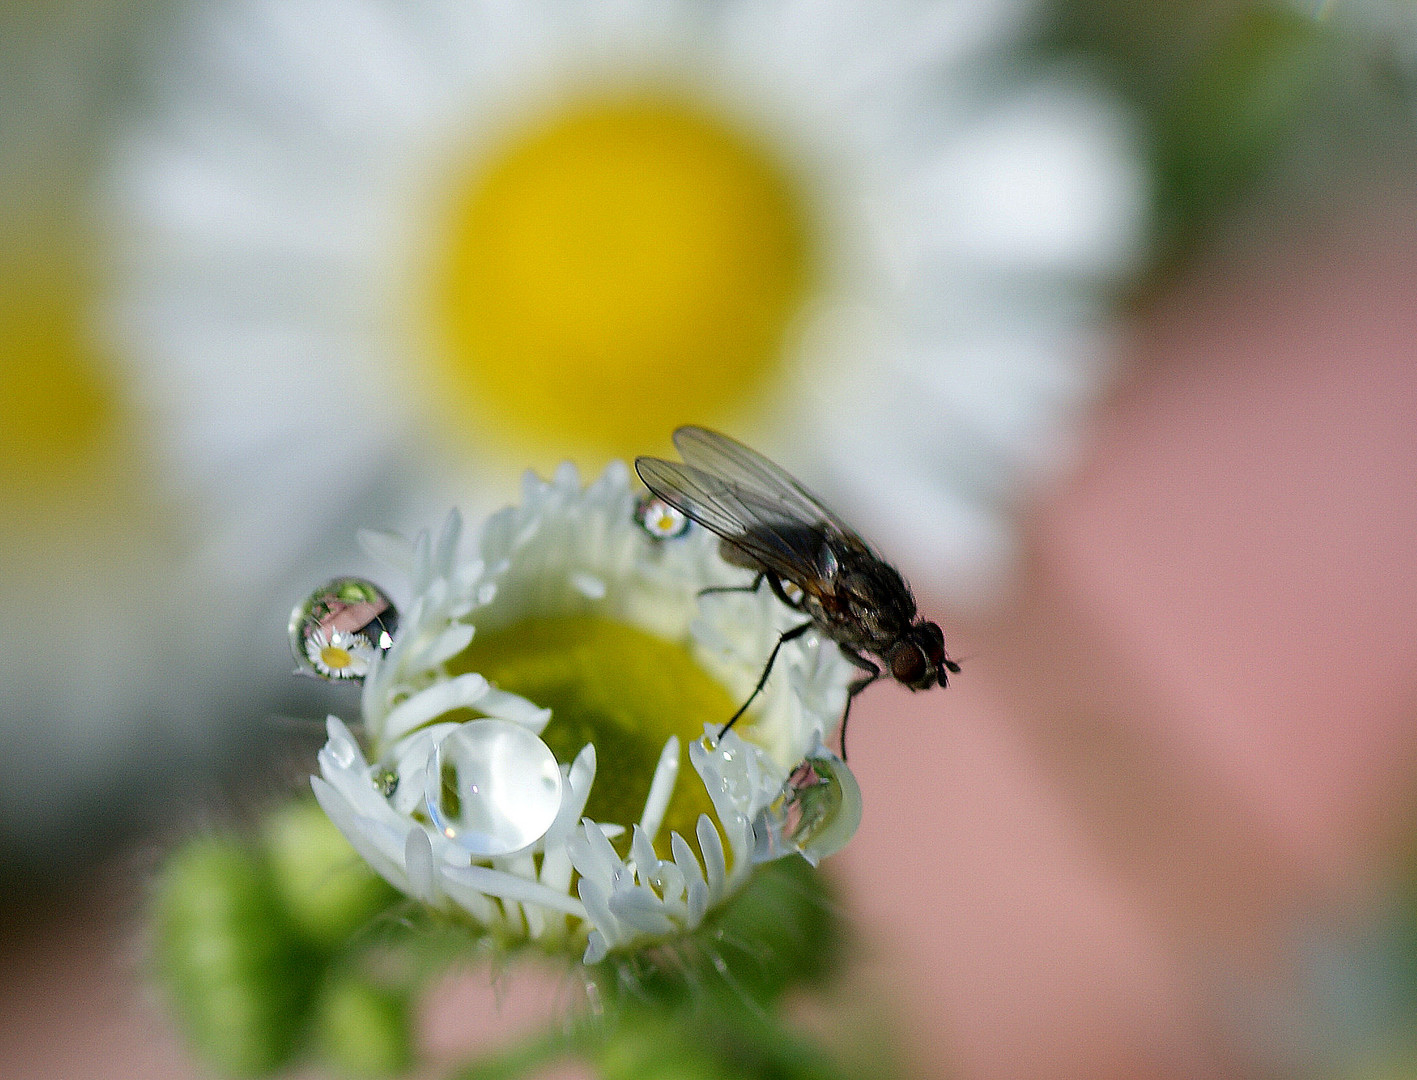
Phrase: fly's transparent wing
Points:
(749, 471)
(758, 526)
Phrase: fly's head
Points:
(918, 660)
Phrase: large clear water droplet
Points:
(340, 628)
(814, 815)
(493, 787)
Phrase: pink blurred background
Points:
(1185, 742)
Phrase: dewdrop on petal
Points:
(492, 787)
(814, 815)
(536, 755)
(340, 628)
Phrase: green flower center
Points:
(620, 688)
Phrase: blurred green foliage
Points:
(1248, 109)
(286, 947)
(259, 946)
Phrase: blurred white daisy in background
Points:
(398, 244)
(101, 702)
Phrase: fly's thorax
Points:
(872, 596)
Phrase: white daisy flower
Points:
(338, 654)
(526, 732)
(462, 228)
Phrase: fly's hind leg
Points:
(787, 635)
(873, 672)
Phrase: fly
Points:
(769, 523)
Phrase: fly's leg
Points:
(873, 672)
(775, 584)
(757, 580)
(787, 635)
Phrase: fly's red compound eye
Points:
(908, 664)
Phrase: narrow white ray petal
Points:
(507, 886)
(597, 908)
(686, 861)
(359, 833)
(661, 788)
(642, 852)
(556, 865)
(340, 748)
(595, 949)
(391, 549)
(592, 855)
(715, 868)
(508, 706)
(591, 586)
(444, 647)
(472, 900)
(422, 871)
(462, 692)
(422, 576)
(698, 901)
(523, 866)
(447, 550)
(640, 910)
(669, 880)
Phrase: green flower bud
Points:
(237, 980)
(363, 1030)
(327, 890)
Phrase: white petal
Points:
(508, 706)
(661, 789)
(597, 905)
(462, 692)
(513, 887)
(715, 868)
(422, 871)
(640, 911)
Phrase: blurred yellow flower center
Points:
(58, 409)
(618, 268)
(335, 658)
(618, 687)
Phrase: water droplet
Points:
(815, 814)
(492, 787)
(340, 628)
(659, 519)
(385, 780)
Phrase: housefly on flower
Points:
(769, 523)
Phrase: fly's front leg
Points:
(873, 672)
(786, 636)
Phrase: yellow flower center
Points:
(614, 269)
(335, 658)
(58, 405)
(620, 688)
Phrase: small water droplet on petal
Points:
(659, 519)
(386, 781)
(341, 628)
(493, 787)
(815, 814)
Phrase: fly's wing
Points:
(750, 472)
(759, 526)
